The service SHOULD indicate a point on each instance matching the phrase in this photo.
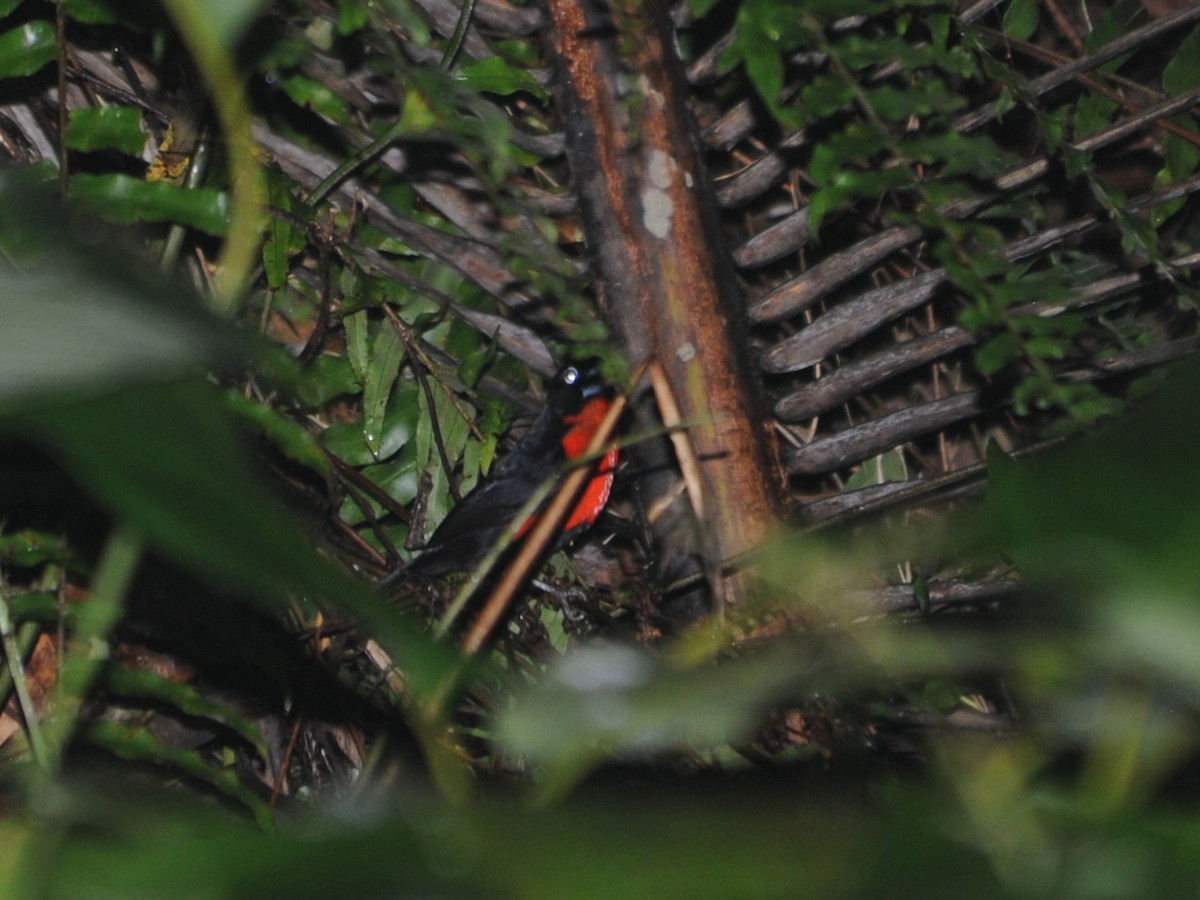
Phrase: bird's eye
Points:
(571, 375)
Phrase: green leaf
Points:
(32, 548)
(352, 16)
(283, 237)
(881, 469)
(357, 342)
(7, 6)
(315, 96)
(345, 439)
(766, 74)
(106, 128)
(605, 699)
(92, 12)
(1114, 509)
(474, 362)
(1021, 19)
(295, 442)
(324, 378)
(1182, 159)
(1046, 347)
(230, 19)
(73, 324)
(125, 200)
(997, 352)
(1182, 71)
(166, 459)
(825, 95)
(939, 28)
(26, 48)
(924, 98)
(138, 744)
(146, 684)
(381, 378)
(454, 432)
(1092, 113)
(495, 75)
(399, 477)
(1113, 22)
(700, 8)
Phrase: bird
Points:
(577, 401)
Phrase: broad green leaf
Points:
(24, 241)
(324, 378)
(357, 342)
(32, 548)
(997, 352)
(386, 358)
(228, 19)
(352, 16)
(673, 839)
(399, 476)
(824, 95)
(26, 48)
(976, 155)
(7, 6)
(475, 361)
(881, 469)
(1182, 159)
(495, 75)
(139, 745)
(294, 441)
(1092, 113)
(345, 439)
(125, 200)
(1021, 18)
(1046, 347)
(73, 324)
(166, 459)
(1182, 71)
(145, 684)
(496, 416)
(107, 128)
(284, 238)
(940, 28)
(1113, 21)
(855, 146)
(766, 74)
(1114, 508)
(454, 433)
(315, 96)
(606, 699)
(92, 12)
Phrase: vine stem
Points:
(89, 650)
(248, 192)
(460, 34)
(16, 669)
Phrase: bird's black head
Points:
(577, 383)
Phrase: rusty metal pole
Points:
(662, 271)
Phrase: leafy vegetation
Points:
(310, 264)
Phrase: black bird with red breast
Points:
(576, 403)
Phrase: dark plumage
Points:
(577, 401)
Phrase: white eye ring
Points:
(571, 375)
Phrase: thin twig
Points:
(16, 670)
(460, 34)
(685, 453)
